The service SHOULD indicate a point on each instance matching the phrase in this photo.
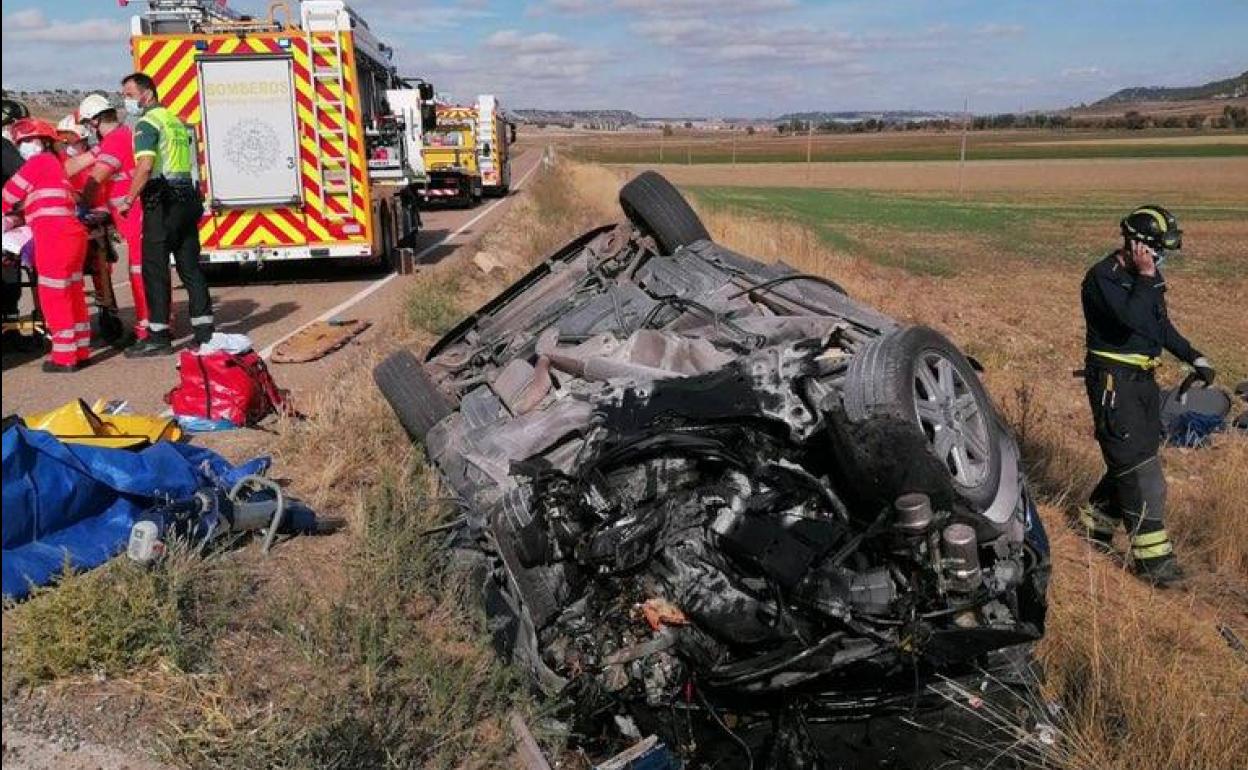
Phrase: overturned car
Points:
(713, 497)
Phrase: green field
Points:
(941, 235)
(701, 148)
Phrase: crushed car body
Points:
(697, 482)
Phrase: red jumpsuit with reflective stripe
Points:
(116, 153)
(42, 189)
(98, 206)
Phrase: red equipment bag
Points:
(225, 386)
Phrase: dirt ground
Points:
(1211, 180)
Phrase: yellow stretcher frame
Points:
(77, 423)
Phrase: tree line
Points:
(1232, 117)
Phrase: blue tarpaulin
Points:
(74, 504)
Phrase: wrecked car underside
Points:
(696, 482)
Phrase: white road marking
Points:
(380, 283)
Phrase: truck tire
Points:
(655, 206)
(414, 398)
(917, 419)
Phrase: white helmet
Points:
(93, 105)
(69, 125)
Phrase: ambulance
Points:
(308, 139)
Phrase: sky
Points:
(737, 58)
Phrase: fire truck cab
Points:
(308, 139)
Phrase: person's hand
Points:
(125, 205)
(1204, 370)
(1143, 259)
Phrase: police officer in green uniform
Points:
(172, 207)
(1124, 307)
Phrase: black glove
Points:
(1204, 370)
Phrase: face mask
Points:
(72, 151)
(133, 107)
(30, 149)
(1159, 256)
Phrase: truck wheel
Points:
(917, 419)
(385, 240)
(414, 398)
(654, 205)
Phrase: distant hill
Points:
(1231, 88)
(591, 118)
(854, 116)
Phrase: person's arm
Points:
(1135, 308)
(14, 192)
(142, 173)
(146, 142)
(1173, 341)
(78, 163)
(105, 166)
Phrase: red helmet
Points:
(33, 128)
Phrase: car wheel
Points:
(916, 390)
(414, 398)
(655, 206)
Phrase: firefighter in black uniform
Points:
(1124, 307)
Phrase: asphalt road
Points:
(268, 306)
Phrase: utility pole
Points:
(966, 117)
(662, 133)
(810, 135)
(734, 147)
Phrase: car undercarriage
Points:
(722, 502)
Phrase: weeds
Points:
(392, 672)
(122, 617)
(431, 304)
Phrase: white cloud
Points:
(670, 8)
(1083, 73)
(513, 41)
(34, 27)
(1004, 31)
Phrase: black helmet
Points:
(1154, 227)
(14, 110)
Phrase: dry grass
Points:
(1197, 180)
(699, 147)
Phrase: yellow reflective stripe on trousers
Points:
(1097, 521)
(1130, 359)
(1151, 545)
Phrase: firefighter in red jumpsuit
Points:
(111, 170)
(78, 157)
(42, 191)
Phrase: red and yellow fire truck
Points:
(308, 138)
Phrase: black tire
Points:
(654, 205)
(385, 227)
(886, 449)
(414, 398)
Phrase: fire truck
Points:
(494, 137)
(450, 155)
(308, 139)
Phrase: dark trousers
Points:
(171, 226)
(1126, 407)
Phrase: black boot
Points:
(1163, 572)
(51, 368)
(149, 348)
